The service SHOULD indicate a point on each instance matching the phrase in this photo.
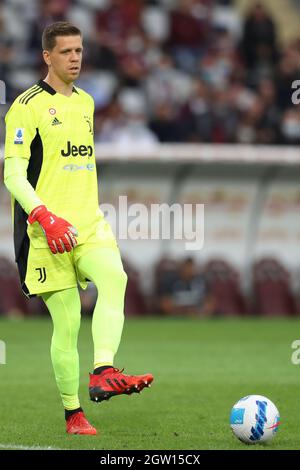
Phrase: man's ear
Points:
(46, 56)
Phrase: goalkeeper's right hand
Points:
(60, 234)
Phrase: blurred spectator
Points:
(166, 83)
(249, 124)
(219, 61)
(226, 16)
(185, 292)
(6, 54)
(190, 24)
(133, 67)
(259, 42)
(290, 126)
(101, 85)
(269, 125)
(209, 115)
(200, 75)
(108, 121)
(115, 22)
(197, 113)
(99, 57)
(48, 11)
(6, 49)
(156, 22)
(288, 71)
(166, 123)
(131, 127)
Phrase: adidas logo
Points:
(55, 122)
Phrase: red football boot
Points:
(112, 382)
(78, 424)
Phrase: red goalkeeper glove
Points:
(60, 234)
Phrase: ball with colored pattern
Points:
(254, 419)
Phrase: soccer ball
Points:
(254, 419)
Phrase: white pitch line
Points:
(20, 447)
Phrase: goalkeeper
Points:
(60, 235)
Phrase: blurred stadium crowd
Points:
(166, 70)
(169, 71)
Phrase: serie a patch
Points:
(237, 416)
(19, 136)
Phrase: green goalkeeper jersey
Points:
(55, 133)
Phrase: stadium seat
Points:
(135, 303)
(273, 295)
(224, 285)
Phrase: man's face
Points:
(65, 58)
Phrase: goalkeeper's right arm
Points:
(60, 234)
(15, 179)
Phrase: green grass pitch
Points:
(201, 368)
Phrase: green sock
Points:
(64, 307)
(104, 267)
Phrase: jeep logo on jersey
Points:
(74, 151)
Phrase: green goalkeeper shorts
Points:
(42, 271)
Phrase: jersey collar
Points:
(49, 88)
